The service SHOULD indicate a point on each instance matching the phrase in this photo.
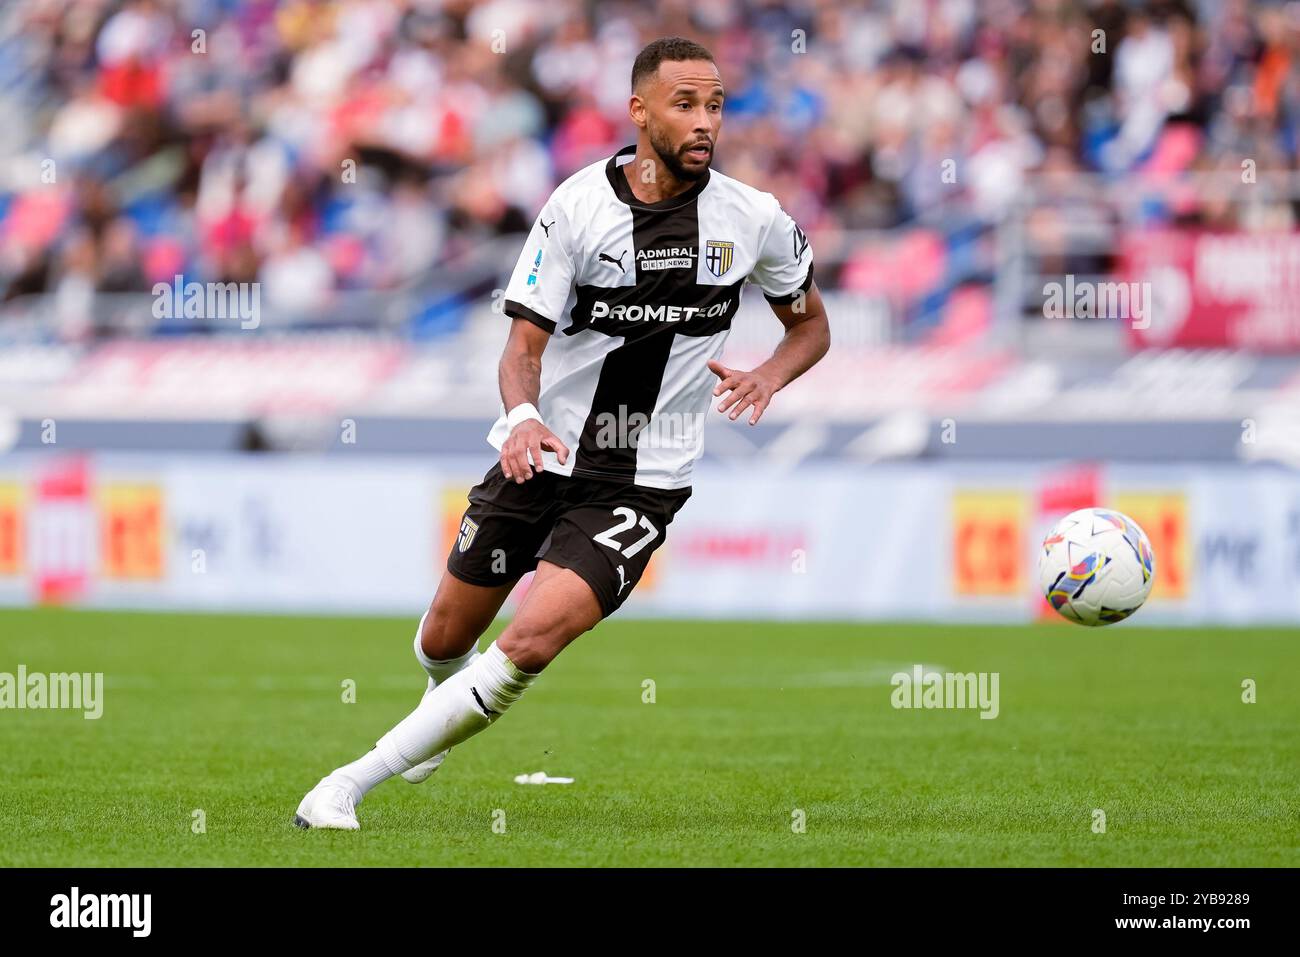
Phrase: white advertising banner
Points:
(218, 532)
(918, 541)
(841, 543)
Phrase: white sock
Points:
(459, 707)
(371, 769)
(440, 670)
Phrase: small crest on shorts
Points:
(466, 537)
(717, 256)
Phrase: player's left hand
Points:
(744, 389)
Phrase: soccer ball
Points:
(1096, 567)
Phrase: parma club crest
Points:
(466, 537)
(717, 256)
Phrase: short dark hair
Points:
(673, 49)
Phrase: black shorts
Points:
(604, 531)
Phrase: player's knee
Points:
(446, 634)
(531, 646)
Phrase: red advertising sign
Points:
(62, 532)
(1236, 290)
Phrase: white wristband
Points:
(522, 413)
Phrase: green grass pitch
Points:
(752, 722)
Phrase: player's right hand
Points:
(525, 442)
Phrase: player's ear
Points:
(636, 110)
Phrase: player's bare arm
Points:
(807, 338)
(520, 377)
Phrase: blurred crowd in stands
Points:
(319, 146)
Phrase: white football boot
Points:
(423, 770)
(328, 805)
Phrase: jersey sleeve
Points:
(543, 276)
(785, 262)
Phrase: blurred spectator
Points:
(328, 145)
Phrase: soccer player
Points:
(620, 303)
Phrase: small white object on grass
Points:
(540, 777)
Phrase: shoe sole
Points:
(301, 822)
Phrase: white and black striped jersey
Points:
(637, 298)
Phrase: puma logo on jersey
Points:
(622, 580)
(546, 227)
(605, 258)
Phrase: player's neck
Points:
(661, 185)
